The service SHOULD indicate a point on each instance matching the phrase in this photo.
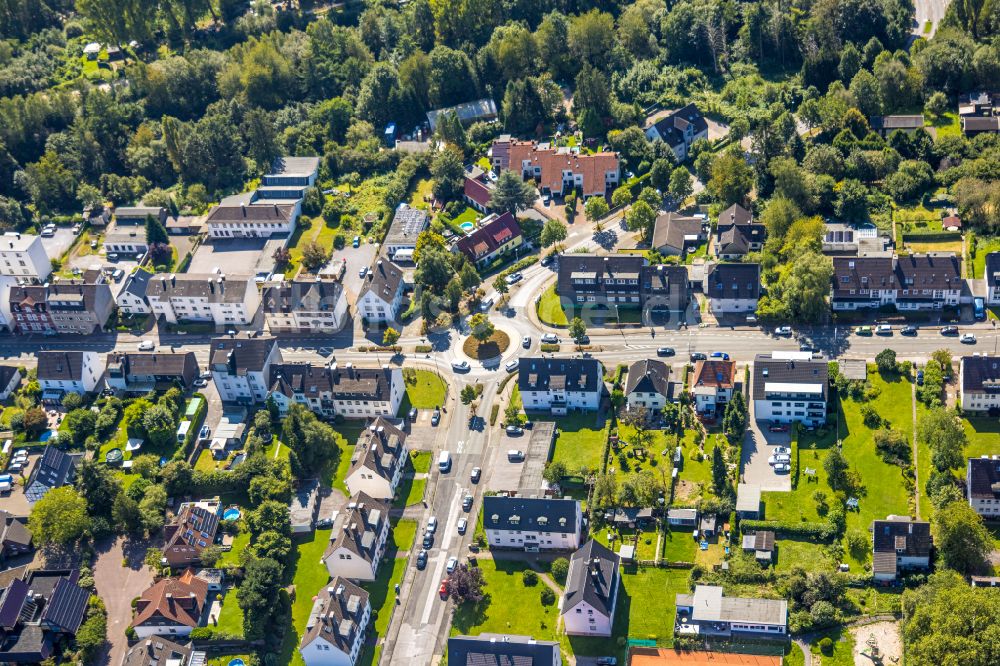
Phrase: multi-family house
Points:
(241, 366)
(54, 469)
(679, 130)
(126, 241)
(160, 651)
(337, 624)
(145, 371)
(914, 282)
(532, 523)
(708, 612)
(62, 372)
(648, 385)
(191, 531)
(982, 484)
(557, 170)
(979, 383)
(505, 649)
(382, 294)
(992, 276)
(711, 384)
(591, 594)
(604, 281)
(407, 223)
(496, 236)
(39, 611)
(23, 256)
(560, 385)
(378, 460)
(132, 297)
(333, 390)
(675, 235)
(736, 235)
(224, 300)
(790, 387)
(76, 307)
(10, 379)
(898, 544)
(358, 540)
(171, 606)
(733, 288)
(304, 306)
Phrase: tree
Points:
(942, 431)
(258, 597)
(805, 284)
(512, 193)
(720, 477)
(152, 508)
(891, 444)
(312, 442)
(886, 361)
(512, 413)
(390, 337)
(314, 256)
(577, 329)
(482, 327)
(468, 394)
(660, 174)
(595, 208)
(447, 171)
(961, 539)
(943, 358)
(553, 233)
(465, 585)
(125, 513)
(836, 468)
(937, 104)
(555, 471)
(81, 423)
(681, 186)
(35, 420)
(622, 196)
(734, 420)
(59, 518)
(605, 490)
(560, 569)
(155, 233)
(98, 486)
(500, 286)
(159, 425)
(731, 179)
(428, 240)
(641, 217)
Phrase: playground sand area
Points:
(887, 638)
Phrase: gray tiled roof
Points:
(767, 369)
(741, 281)
(983, 478)
(670, 230)
(570, 374)
(546, 514)
(336, 614)
(242, 353)
(648, 376)
(992, 274)
(593, 578)
(384, 279)
(209, 286)
(981, 374)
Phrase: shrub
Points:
(826, 646)
(529, 577)
(560, 569)
(548, 596)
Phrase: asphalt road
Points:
(927, 10)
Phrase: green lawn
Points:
(679, 546)
(470, 214)
(799, 505)
(509, 607)
(308, 576)
(810, 556)
(581, 441)
(843, 648)
(697, 473)
(232, 557)
(348, 438)
(421, 189)
(794, 656)
(644, 551)
(984, 436)
(410, 492)
(424, 390)
(550, 309)
(983, 247)
(936, 246)
(948, 124)
(231, 616)
(381, 591)
(403, 534)
(421, 461)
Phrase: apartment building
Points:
(304, 306)
(915, 282)
(532, 524)
(23, 256)
(982, 485)
(337, 625)
(979, 383)
(733, 288)
(333, 390)
(358, 540)
(790, 387)
(560, 385)
(145, 371)
(70, 307)
(591, 593)
(271, 209)
(679, 130)
(61, 372)
(648, 385)
(899, 544)
(241, 366)
(378, 460)
(382, 294)
(602, 281)
(557, 170)
(224, 300)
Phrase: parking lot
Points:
(422, 435)
(56, 245)
(356, 259)
(236, 256)
(15, 502)
(523, 476)
(758, 445)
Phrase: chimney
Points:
(243, 209)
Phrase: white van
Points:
(182, 431)
(444, 461)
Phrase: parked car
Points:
(428, 540)
(546, 260)
(883, 329)
(477, 473)
(443, 590)
(979, 308)
(511, 365)
(526, 341)
(463, 524)
(782, 467)
(422, 559)
(514, 431)
(486, 304)
(550, 339)
(968, 339)
(513, 455)
(781, 450)
(699, 356)
(783, 330)
(200, 383)
(452, 563)
(808, 347)
(363, 272)
(413, 414)
(436, 417)
(606, 661)
(723, 355)
(204, 433)
(949, 330)
(460, 366)
(356, 242)
(513, 278)
(467, 502)
(665, 351)
(778, 427)
(908, 330)
(863, 330)
(774, 460)
(147, 345)
(432, 524)
(920, 377)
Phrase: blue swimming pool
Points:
(44, 437)
(236, 662)
(467, 226)
(231, 513)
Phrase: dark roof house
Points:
(502, 650)
(648, 376)
(733, 282)
(899, 543)
(529, 514)
(592, 579)
(675, 234)
(56, 468)
(559, 374)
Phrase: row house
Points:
(241, 366)
(41, 611)
(332, 390)
(66, 307)
(732, 288)
(62, 372)
(378, 460)
(602, 281)
(145, 371)
(790, 387)
(557, 170)
(304, 306)
(191, 297)
(915, 282)
(131, 300)
(560, 385)
(532, 524)
(359, 538)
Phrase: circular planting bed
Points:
(496, 344)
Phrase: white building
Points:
(708, 612)
(914, 282)
(979, 379)
(982, 484)
(304, 306)
(61, 372)
(560, 384)
(378, 460)
(23, 256)
(338, 621)
(382, 294)
(223, 300)
(679, 130)
(712, 384)
(358, 540)
(899, 544)
(532, 523)
(241, 366)
(591, 594)
(648, 385)
(992, 276)
(132, 298)
(790, 387)
(733, 288)
(10, 379)
(127, 241)
(332, 390)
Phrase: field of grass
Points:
(550, 310)
(843, 648)
(231, 616)
(309, 577)
(799, 505)
(470, 214)
(509, 607)
(580, 442)
(381, 590)
(793, 553)
(232, 557)
(410, 492)
(403, 534)
(948, 124)
(678, 546)
(936, 246)
(983, 247)
(428, 391)
(918, 219)
(984, 436)
(421, 189)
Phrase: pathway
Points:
(117, 586)
(916, 452)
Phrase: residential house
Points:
(171, 606)
(332, 391)
(71, 307)
(337, 625)
(381, 296)
(885, 125)
(675, 235)
(304, 306)
(477, 190)
(184, 225)
(682, 517)
(736, 235)
(532, 523)
(39, 612)
(15, 537)
(407, 223)
(712, 384)
(62, 372)
(292, 173)
(484, 110)
(560, 385)
(496, 236)
(378, 460)
(10, 379)
(790, 387)
(761, 544)
(557, 170)
(979, 103)
(591, 594)
(648, 385)
(664, 288)
(679, 130)
(748, 501)
(898, 544)
(708, 612)
(136, 215)
(915, 282)
(733, 288)
(192, 530)
(131, 299)
(604, 281)
(979, 382)
(228, 435)
(23, 256)
(992, 275)
(972, 125)
(496, 649)
(224, 300)
(359, 538)
(54, 469)
(982, 483)
(145, 371)
(126, 241)
(245, 215)
(241, 366)
(159, 651)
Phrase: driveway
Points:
(117, 586)
(356, 258)
(757, 445)
(232, 255)
(59, 243)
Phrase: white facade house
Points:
(358, 540)
(382, 294)
(679, 130)
(733, 288)
(914, 282)
(591, 594)
(241, 366)
(712, 385)
(982, 484)
(992, 276)
(648, 385)
(23, 256)
(532, 523)
(126, 240)
(707, 612)
(790, 387)
(304, 306)
(61, 372)
(333, 390)
(378, 460)
(273, 208)
(223, 300)
(560, 385)
(10, 379)
(979, 382)
(338, 621)
(132, 298)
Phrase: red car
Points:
(443, 590)
(778, 428)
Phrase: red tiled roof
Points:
(477, 191)
(179, 600)
(553, 163)
(489, 238)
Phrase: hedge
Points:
(519, 266)
(192, 436)
(549, 348)
(824, 531)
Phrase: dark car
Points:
(422, 559)
(665, 351)
(920, 377)
(436, 417)
(467, 502)
(413, 414)
(806, 347)
(428, 539)
(908, 330)
(949, 330)
(777, 427)
(476, 474)
(699, 356)
(606, 661)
